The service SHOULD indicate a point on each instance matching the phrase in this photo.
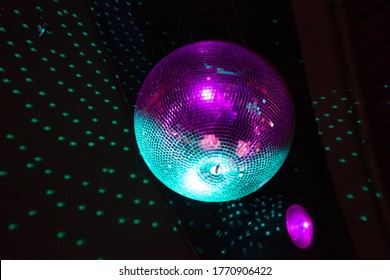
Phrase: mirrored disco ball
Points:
(213, 121)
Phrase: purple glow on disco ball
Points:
(213, 121)
(299, 226)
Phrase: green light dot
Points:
(67, 177)
(50, 192)
(107, 100)
(61, 234)
(16, 91)
(52, 105)
(101, 190)
(13, 226)
(61, 83)
(52, 69)
(60, 204)
(16, 11)
(82, 99)
(29, 106)
(115, 107)
(95, 120)
(277, 228)
(45, 59)
(132, 175)
(342, 160)
(33, 49)
(330, 126)
(42, 93)
(85, 183)
(114, 122)
(17, 55)
(363, 218)
(136, 221)
(23, 69)
(61, 138)
(65, 114)
(354, 154)
(89, 85)
(71, 66)
(327, 148)
(350, 196)
(338, 138)
(145, 181)
(90, 107)
(267, 233)
(82, 207)
(174, 229)
(151, 202)
(38, 159)
(30, 165)
(91, 144)
(48, 171)
(32, 213)
(121, 220)
(154, 224)
(73, 143)
(112, 143)
(88, 132)
(137, 201)
(10, 136)
(126, 148)
(80, 242)
(3, 173)
(99, 213)
(349, 132)
(365, 188)
(6, 81)
(119, 196)
(378, 195)
(101, 138)
(46, 128)
(76, 121)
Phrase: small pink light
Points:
(299, 226)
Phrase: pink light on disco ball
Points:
(299, 226)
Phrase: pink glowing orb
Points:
(299, 226)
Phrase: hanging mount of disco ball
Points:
(213, 121)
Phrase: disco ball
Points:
(213, 121)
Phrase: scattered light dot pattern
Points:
(69, 168)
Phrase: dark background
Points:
(73, 183)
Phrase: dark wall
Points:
(73, 185)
